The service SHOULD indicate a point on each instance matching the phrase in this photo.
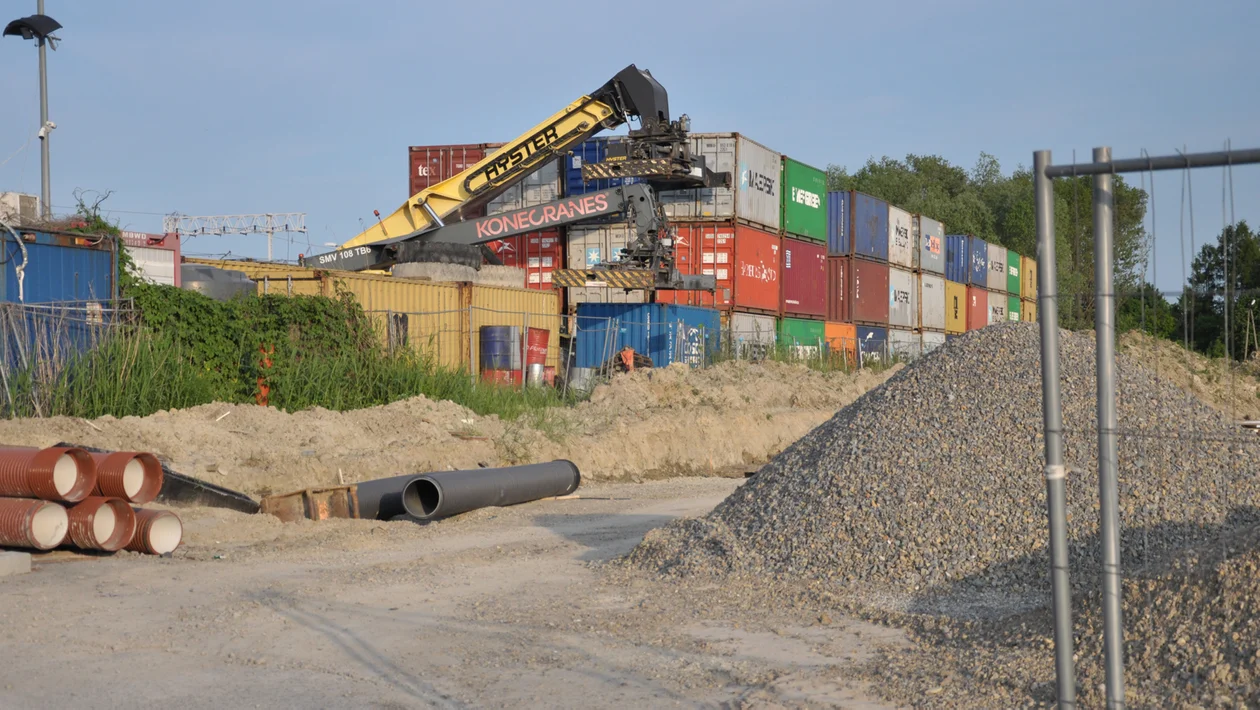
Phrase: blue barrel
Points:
(500, 347)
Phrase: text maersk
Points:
(807, 198)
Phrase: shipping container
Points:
(873, 344)
(429, 165)
(932, 302)
(997, 307)
(977, 308)
(1012, 308)
(869, 234)
(839, 293)
(1028, 311)
(905, 345)
(804, 200)
(901, 247)
(957, 258)
(1012, 272)
(932, 341)
(540, 186)
(758, 269)
(995, 278)
(802, 338)
(949, 337)
(155, 256)
(841, 342)
(1027, 278)
(703, 248)
(870, 291)
(665, 333)
(751, 335)
(538, 253)
(839, 222)
(755, 195)
(587, 247)
(977, 251)
(903, 298)
(592, 150)
(804, 282)
(930, 236)
(57, 267)
(955, 307)
(521, 308)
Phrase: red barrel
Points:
(501, 377)
(537, 341)
(549, 376)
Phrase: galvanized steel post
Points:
(45, 133)
(1052, 420)
(1108, 460)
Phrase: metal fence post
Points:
(1108, 459)
(1052, 421)
(472, 352)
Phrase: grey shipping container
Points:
(542, 185)
(903, 299)
(930, 236)
(755, 195)
(995, 279)
(901, 251)
(932, 341)
(904, 344)
(588, 246)
(751, 335)
(932, 302)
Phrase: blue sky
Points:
(239, 107)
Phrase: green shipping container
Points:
(804, 200)
(1012, 308)
(801, 332)
(1012, 273)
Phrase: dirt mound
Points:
(1231, 388)
(652, 423)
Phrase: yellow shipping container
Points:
(1028, 311)
(955, 307)
(1027, 278)
(521, 307)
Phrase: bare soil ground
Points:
(499, 608)
(1231, 388)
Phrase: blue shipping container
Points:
(978, 272)
(869, 235)
(593, 150)
(666, 333)
(957, 258)
(57, 269)
(873, 342)
(838, 221)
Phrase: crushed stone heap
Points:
(936, 478)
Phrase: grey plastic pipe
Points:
(440, 495)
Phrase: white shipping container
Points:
(930, 236)
(931, 302)
(901, 250)
(752, 336)
(996, 278)
(588, 246)
(540, 186)
(155, 265)
(997, 306)
(755, 195)
(903, 299)
(932, 341)
(904, 344)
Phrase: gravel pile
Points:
(928, 491)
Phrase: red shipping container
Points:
(977, 308)
(430, 164)
(539, 253)
(155, 255)
(870, 291)
(703, 248)
(839, 296)
(804, 289)
(758, 266)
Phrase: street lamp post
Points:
(40, 27)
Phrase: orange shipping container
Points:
(955, 307)
(703, 248)
(757, 270)
(977, 308)
(842, 338)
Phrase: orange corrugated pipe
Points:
(100, 523)
(57, 473)
(157, 532)
(37, 524)
(131, 475)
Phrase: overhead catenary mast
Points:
(218, 225)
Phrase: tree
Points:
(1212, 300)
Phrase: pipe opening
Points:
(165, 534)
(103, 523)
(430, 495)
(133, 478)
(65, 474)
(49, 526)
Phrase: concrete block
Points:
(12, 563)
(444, 273)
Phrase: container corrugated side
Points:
(758, 269)
(869, 234)
(932, 302)
(542, 185)
(804, 292)
(905, 344)
(592, 150)
(841, 339)
(1013, 309)
(977, 308)
(839, 293)
(58, 267)
(523, 308)
(157, 256)
(1012, 272)
(804, 200)
(755, 174)
(589, 246)
(802, 338)
(538, 253)
(957, 258)
(873, 344)
(1028, 311)
(1028, 278)
(977, 262)
(930, 236)
(429, 165)
(903, 299)
(955, 307)
(703, 248)
(932, 341)
(901, 248)
(997, 306)
(995, 279)
(839, 221)
(665, 333)
(751, 335)
(869, 287)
